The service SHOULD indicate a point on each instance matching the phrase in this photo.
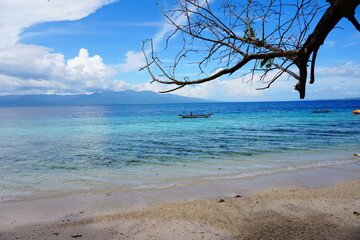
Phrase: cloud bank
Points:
(31, 69)
(349, 69)
(16, 15)
(26, 67)
(37, 69)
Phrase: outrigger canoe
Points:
(356, 112)
(196, 116)
(321, 111)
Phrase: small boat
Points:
(196, 116)
(321, 111)
(356, 112)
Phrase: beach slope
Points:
(331, 213)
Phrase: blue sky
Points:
(84, 46)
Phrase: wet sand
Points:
(318, 203)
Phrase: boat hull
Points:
(321, 111)
(196, 116)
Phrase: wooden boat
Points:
(356, 112)
(321, 111)
(196, 116)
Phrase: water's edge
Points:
(106, 202)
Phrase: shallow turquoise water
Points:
(50, 151)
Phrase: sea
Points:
(55, 151)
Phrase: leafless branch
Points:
(274, 35)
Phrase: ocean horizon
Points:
(54, 151)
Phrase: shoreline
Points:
(352, 160)
(17, 216)
(167, 178)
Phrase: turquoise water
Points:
(52, 151)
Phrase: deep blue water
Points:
(56, 150)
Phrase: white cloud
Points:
(235, 90)
(347, 70)
(16, 15)
(326, 92)
(26, 66)
(37, 69)
(329, 44)
(134, 61)
(87, 68)
(29, 61)
(337, 82)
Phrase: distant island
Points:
(95, 99)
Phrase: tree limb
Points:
(255, 31)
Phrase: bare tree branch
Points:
(354, 21)
(273, 35)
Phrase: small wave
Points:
(64, 168)
(284, 169)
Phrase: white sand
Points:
(331, 213)
(295, 212)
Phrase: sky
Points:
(85, 46)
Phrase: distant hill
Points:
(103, 98)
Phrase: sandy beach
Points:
(328, 210)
